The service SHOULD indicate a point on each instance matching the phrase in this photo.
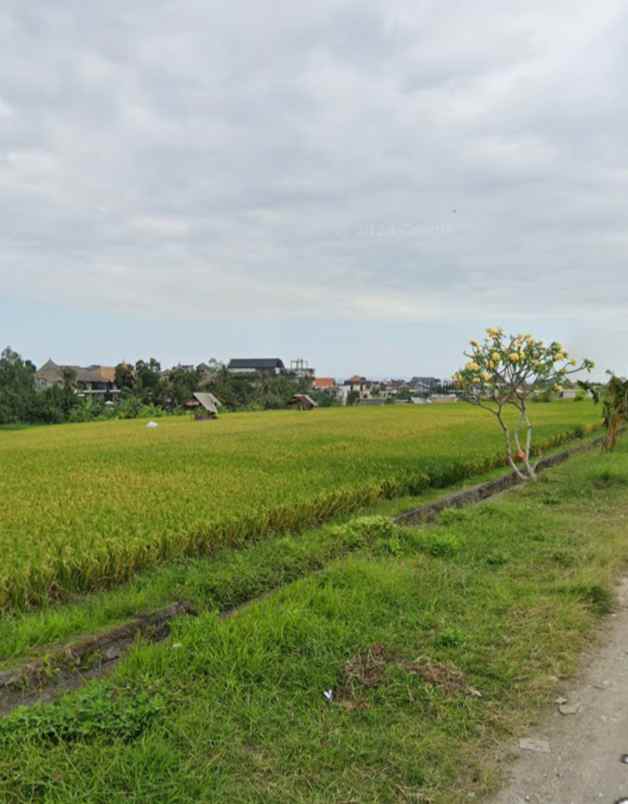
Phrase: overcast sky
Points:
(366, 185)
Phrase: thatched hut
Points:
(204, 405)
(302, 402)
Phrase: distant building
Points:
(93, 382)
(301, 368)
(327, 384)
(426, 385)
(393, 387)
(375, 401)
(360, 388)
(359, 384)
(257, 365)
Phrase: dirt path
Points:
(575, 757)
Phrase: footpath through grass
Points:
(498, 599)
(87, 506)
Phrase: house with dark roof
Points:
(426, 385)
(95, 381)
(256, 365)
(355, 385)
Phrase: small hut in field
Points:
(302, 402)
(204, 405)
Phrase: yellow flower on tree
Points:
(531, 365)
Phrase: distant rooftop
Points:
(256, 363)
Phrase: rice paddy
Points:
(87, 506)
(404, 670)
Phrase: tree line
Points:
(145, 390)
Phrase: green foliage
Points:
(17, 387)
(579, 431)
(133, 408)
(548, 395)
(450, 638)
(444, 545)
(367, 529)
(614, 397)
(94, 713)
(608, 478)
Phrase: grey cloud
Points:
(347, 160)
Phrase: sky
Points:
(366, 185)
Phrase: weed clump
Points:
(96, 713)
(440, 544)
(450, 638)
(365, 529)
(598, 597)
(608, 478)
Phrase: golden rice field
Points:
(84, 506)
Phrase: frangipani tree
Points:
(503, 372)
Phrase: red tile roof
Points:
(321, 383)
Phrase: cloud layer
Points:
(377, 160)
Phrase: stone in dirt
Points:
(540, 746)
(569, 709)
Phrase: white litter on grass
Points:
(151, 425)
(329, 695)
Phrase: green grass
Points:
(217, 582)
(90, 505)
(228, 578)
(501, 596)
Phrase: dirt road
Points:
(576, 755)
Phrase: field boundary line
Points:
(483, 491)
(68, 666)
